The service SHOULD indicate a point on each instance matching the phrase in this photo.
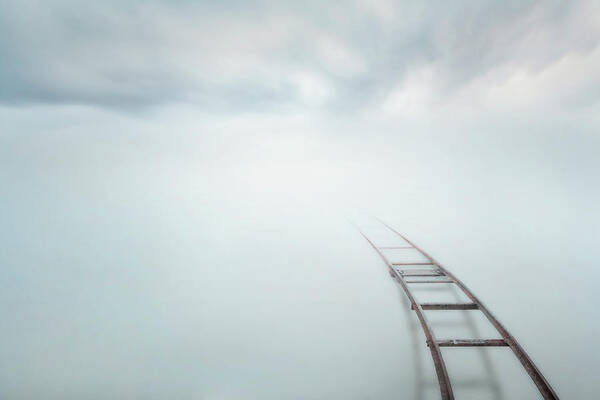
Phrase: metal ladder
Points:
(486, 380)
(430, 271)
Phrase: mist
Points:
(186, 228)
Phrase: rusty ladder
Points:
(411, 273)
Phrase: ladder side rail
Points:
(436, 353)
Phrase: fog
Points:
(182, 183)
(220, 261)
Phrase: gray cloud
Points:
(235, 56)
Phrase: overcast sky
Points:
(148, 146)
(232, 57)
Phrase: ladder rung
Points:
(430, 288)
(394, 247)
(448, 323)
(447, 306)
(421, 272)
(412, 263)
(430, 281)
(471, 342)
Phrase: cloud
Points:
(235, 56)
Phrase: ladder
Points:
(411, 273)
(486, 380)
